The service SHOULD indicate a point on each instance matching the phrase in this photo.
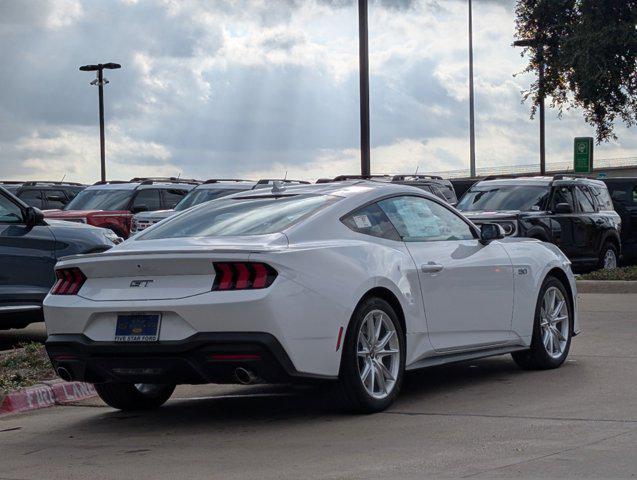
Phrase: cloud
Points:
(257, 87)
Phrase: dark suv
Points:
(574, 213)
(623, 191)
(29, 249)
(47, 195)
(440, 187)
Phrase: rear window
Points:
(197, 196)
(239, 217)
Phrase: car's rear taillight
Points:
(69, 281)
(242, 275)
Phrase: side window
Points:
(32, 197)
(562, 195)
(371, 220)
(635, 195)
(602, 197)
(9, 211)
(148, 199)
(173, 196)
(418, 219)
(584, 200)
(440, 193)
(55, 198)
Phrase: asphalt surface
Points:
(483, 419)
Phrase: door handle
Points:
(431, 267)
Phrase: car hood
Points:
(71, 226)
(78, 213)
(492, 215)
(154, 215)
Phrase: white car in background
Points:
(351, 282)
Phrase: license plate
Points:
(138, 327)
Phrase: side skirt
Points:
(462, 356)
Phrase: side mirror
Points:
(563, 208)
(490, 232)
(33, 216)
(140, 208)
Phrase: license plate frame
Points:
(137, 327)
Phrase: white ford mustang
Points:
(351, 282)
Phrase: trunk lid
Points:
(163, 269)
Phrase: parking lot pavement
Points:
(15, 336)
(484, 419)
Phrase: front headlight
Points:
(112, 237)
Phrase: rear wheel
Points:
(134, 396)
(373, 361)
(552, 330)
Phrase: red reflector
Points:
(61, 358)
(235, 356)
(69, 281)
(242, 275)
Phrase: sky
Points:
(257, 88)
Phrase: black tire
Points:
(128, 397)
(350, 391)
(537, 357)
(608, 246)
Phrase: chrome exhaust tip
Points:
(245, 376)
(64, 374)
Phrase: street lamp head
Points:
(527, 42)
(101, 66)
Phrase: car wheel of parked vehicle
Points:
(608, 257)
(373, 360)
(552, 329)
(134, 396)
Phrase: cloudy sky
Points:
(255, 88)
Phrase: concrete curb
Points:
(606, 286)
(45, 394)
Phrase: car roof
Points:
(538, 181)
(227, 185)
(140, 185)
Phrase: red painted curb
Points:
(45, 395)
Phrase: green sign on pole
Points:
(583, 155)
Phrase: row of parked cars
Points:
(593, 222)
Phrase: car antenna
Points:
(417, 167)
(286, 176)
(63, 177)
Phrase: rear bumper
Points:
(201, 358)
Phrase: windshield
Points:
(195, 197)
(507, 197)
(239, 217)
(101, 199)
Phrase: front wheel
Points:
(608, 257)
(552, 329)
(373, 361)
(134, 396)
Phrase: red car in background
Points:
(112, 204)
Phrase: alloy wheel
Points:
(378, 352)
(554, 322)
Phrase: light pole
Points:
(472, 131)
(363, 60)
(100, 81)
(539, 50)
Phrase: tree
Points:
(589, 50)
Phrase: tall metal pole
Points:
(100, 86)
(542, 124)
(472, 132)
(363, 59)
